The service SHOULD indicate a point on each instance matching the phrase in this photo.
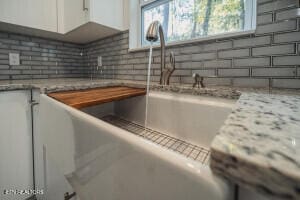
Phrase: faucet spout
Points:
(154, 29)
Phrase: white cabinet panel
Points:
(76, 13)
(108, 14)
(112, 14)
(39, 14)
(16, 170)
(54, 149)
(79, 21)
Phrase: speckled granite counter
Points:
(53, 85)
(259, 145)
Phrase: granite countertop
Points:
(257, 147)
(55, 85)
(52, 85)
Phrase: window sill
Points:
(190, 41)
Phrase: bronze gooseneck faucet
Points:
(154, 29)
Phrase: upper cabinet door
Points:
(79, 21)
(39, 14)
(76, 13)
(109, 13)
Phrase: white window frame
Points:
(135, 27)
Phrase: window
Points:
(196, 19)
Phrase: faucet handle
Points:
(170, 69)
(196, 77)
(172, 59)
(199, 80)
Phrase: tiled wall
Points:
(268, 57)
(40, 58)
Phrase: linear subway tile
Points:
(277, 27)
(3, 35)
(4, 66)
(203, 56)
(277, 5)
(287, 37)
(217, 46)
(3, 56)
(19, 37)
(31, 71)
(31, 62)
(23, 48)
(273, 50)
(217, 63)
(190, 49)
(30, 53)
(3, 46)
(30, 44)
(16, 77)
(182, 58)
(39, 49)
(265, 19)
(274, 72)
(234, 53)
(4, 62)
(288, 14)
(20, 67)
(255, 41)
(251, 82)
(4, 77)
(182, 73)
(286, 60)
(48, 54)
(190, 65)
(9, 41)
(233, 72)
(250, 62)
(9, 72)
(286, 83)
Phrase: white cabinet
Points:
(16, 171)
(76, 13)
(38, 14)
(79, 21)
(16, 157)
(84, 21)
(112, 14)
(108, 14)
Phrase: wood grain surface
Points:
(90, 97)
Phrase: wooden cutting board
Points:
(90, 97)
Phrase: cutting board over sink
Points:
(90, 97)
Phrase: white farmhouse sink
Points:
(103, 161)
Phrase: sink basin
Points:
(101, 160)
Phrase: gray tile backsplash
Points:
(40, 58)
(269, 57)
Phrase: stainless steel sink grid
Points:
(184, 148)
